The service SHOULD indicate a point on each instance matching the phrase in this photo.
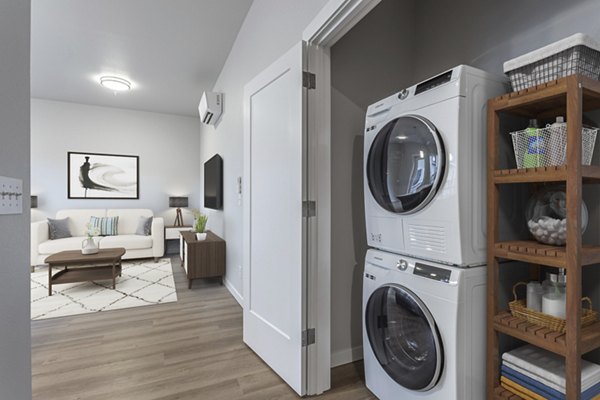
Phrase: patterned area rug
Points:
(142, 283)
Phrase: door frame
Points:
(334, 20)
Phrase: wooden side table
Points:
(204, 258)
(172, 233)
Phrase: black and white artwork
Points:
(102, 176)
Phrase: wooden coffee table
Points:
(106, 264)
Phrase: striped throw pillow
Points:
(108, 226)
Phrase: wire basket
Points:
(548, 146)
(576, 60)
(518, 309)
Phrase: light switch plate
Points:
(11, 195)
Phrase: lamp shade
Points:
(178, 202)
(34, 201)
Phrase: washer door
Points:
(404, 337)
(406, 164)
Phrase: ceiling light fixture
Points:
(115, 83)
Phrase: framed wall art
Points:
(102, 176)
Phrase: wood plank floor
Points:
(191, 349)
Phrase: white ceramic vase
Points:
(200, 236)
(88, 246)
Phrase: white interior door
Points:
(274, 226)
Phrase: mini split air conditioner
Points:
(210, 107)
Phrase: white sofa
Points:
(136, 246)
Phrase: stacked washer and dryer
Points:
(424, 290)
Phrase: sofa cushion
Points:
(78, 218)
(130, 242)
(54, 246)
(107, 226)
(58, 228)
(128, 218)
(144, 227)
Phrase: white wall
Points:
(15, 337)
(168, 147)
(270, 29)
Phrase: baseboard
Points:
(346, 356)
(236, 295)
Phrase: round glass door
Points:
(404, 337)
(405, 165)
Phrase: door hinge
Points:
(309, 80)
(309, 208)
(308, 337)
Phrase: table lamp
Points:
(178, 202)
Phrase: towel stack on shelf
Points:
(534, 374)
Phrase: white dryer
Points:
(423, 329)
(425, 170)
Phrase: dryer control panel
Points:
(434, 82)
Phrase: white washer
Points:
(424, 163)
(423, 329)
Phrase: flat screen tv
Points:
(213, 183)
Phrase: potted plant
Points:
(200, 225)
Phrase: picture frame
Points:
(102, 176)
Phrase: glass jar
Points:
(546, 215)
(554, 300)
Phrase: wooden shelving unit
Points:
(569, 96)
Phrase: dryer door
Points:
(406, 164)
(404, 337)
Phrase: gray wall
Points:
(393, 47)
(270, 29)
(169, 163)
(367, 64)
(15, 337)
(373, 60)
(485, 33)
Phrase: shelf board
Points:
(533, 252)
(502, 394)
(543, 337)
(72, 275)
(589, 173)
(548, 99)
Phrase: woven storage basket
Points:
(576, 54)
(518, 309)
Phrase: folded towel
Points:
(545, 390)
(533, 385)
(550, 366)
(519, 390)
(543, 380)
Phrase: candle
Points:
(534, 296)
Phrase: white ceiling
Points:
(171, 50)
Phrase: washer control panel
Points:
(431, 272)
